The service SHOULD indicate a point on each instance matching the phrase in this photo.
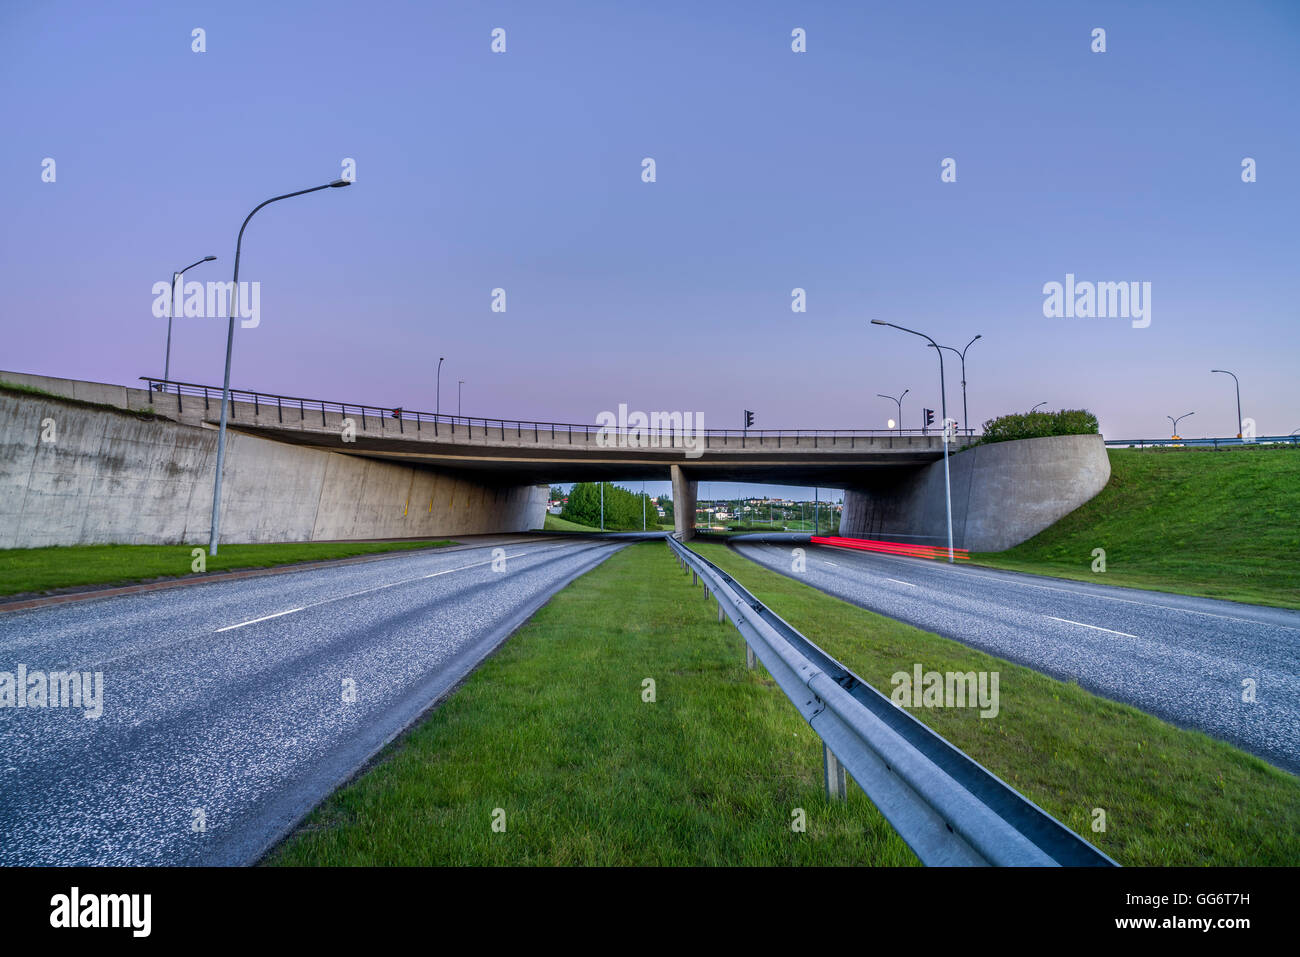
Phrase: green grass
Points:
(556, 524)
(25, 570)
(554, 731)
(1220, 524)
(1171, 796)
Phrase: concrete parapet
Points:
(75, 475)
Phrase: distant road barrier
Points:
(1206, 443)
(948, 808)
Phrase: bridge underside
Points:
(876, 464)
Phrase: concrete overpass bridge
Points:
(889, 476)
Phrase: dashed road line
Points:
(1084, 624)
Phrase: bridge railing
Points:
(288, 409)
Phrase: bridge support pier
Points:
(685, 490)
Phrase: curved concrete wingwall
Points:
(1002, 494)
(72, 474)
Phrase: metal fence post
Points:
(837, 789)
(750, 661)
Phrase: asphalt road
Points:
(1182, 659)
(223, 703)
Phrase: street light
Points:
(943, 399)
(965, 416)
(1176, 421)
(899, 401)
(1234, 379)
(167, 362)
(459, 383)
(230, 342)
(437, 404)
(1035, 408)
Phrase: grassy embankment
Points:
(1222, 524)
(35, 570)
(556, 524)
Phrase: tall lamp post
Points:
(176, 278)
(459, 383)
(899, 401)
(1238, 384)
(230, 342)
(1035, 408)
(943, 400)
(965, 416)
(437, 403)
(1175, 421)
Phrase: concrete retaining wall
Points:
(113, 477)
(1002, 494)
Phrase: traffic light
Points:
(749, 418)
(929, 417)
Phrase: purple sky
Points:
(775, 170)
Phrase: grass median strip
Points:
(1170, 796)
(24, 570)
(555, 732)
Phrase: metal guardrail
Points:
(947, 807)
(1204, 443)
(400, 417)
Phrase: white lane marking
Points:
(404, 581)
(897, 582)
(1084, 592)
(1082, 624)
(824, 562)
(254, 621)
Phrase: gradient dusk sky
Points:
(775, 170)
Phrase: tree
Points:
(623, 509)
